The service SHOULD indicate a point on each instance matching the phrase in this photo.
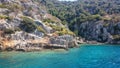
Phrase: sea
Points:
(85, 56)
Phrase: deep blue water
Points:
(102, 56)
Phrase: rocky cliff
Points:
(96, 21)
(100, 31)
(25, 25)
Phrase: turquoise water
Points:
(103, 56)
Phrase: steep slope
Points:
(93, 20)
(25, 24)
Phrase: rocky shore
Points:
(29, 44)
(25, 25)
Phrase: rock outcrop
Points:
(25, 25)
(65, 41)
(100, 31)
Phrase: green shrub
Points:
(64, 22)
(65, 31)
(48, 20)
(27, 19)
(12, 7)
(41, 29)
(56, 28)
(2, 6)
(4, 17)
(17, 29)
(94, 17)
(28, 24)
(9, 31)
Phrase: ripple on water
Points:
(103, 56)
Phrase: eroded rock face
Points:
(113, 28)
(24, 36)
(28, 11)
(1, 1)
(4, 10)
(65, 40)
(94, 31)
(6, 24)
(48, 29)
(99, 31)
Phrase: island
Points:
(27, 25)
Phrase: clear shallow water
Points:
(102, 56)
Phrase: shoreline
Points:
(57, 49)
(97, 44)
(44, 50)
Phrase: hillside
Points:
(26, 25)
(37, 24)
(93, 20)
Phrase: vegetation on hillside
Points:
(27, 24)
(4, 17)
(80, 11)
